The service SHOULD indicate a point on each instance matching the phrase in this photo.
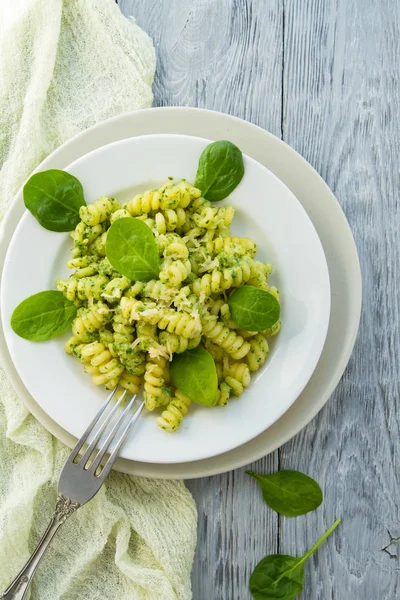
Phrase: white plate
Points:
(332, 229)
(267, 212)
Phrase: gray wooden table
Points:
(324, 76)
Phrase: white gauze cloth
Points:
(64, 66)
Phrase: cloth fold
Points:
(64, 66)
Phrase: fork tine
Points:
(102, 451)
(114, 454)
(101, 430)
(85, 435)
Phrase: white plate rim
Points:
(205, 123)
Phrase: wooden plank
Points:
(341, 99)
(222, 55)
(226, 56)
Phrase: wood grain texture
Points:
(341, 112)
(224, 55)
(333, 67)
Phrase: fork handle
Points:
(65, 507)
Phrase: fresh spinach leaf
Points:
(220, 170)
(132, 250)
(54, 198)
(281, 576)
(43, 316)
(253, 309)
(194, 373)
(289, 493)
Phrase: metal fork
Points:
(81, 478)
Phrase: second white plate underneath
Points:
(332, 228)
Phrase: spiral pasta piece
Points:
(87, 288)
(223, 394)
(89, 320)
(220, 280)
(144, 203)
(80, 262)
(169, 220)
(84, 272)
(104, 267)
(246, 334)
(176, 250)
(185, 301)
(236, 375)
(232, 245)
(120, 213)
(174, 218)
(160, 224)
(171, 418)
(99, 211)
(224, 337)
(130, 355)
(114, 289)
(182, 324)
(147, 220)
(104, 368)
(206, 216)
(157, 290)
(98, 246)
(156, 392)
(211, 217)
(146, 336)
(139, 310)
(169, 196)
(258, 353)
(176, 344)
(130, 382)
(272, 331)
(134, 290)
(84, 236)
(260, 274)
(216, 352)
(174, 272)
(210, 234)
(193, 235)
(221, 308)
(123, 330)
(106, 336)
(275, 293)
(71, 344)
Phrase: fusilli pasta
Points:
(127, 332)
(171, 418)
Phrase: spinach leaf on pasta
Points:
(43, 316)
(54, 198)
(194, 373)
(220, 170)
(253, 309)
(132, 250)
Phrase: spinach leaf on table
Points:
(194, 373)
(132, 250)
(281, 576)
(253, 309)
(289, 493)
(220, 170)
(43, 316)
(54, 198)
